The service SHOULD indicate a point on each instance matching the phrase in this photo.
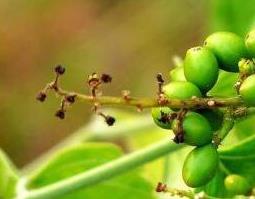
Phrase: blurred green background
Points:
(131, 40)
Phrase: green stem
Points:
(153, 102)
(104, 171)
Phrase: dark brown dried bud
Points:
(179, 138)
(106, 78)
(110, 120)
(93, 80)
(161, 187)
(70, 98)
(160, 78)
(60, 70)
(41, 96)
(60, 114)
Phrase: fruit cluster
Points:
(192, 80)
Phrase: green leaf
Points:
(224, 86)
(82, 157)
(236, 15)
(8, 177)
(240, 158)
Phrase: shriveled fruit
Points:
(228, 48)
(247, 90)
(250, 43)
(160, 115)
(197, 130)
(237, 184)
(201, 68)
(177, 74)
(181, 90)
(200, 165)
(213, 116)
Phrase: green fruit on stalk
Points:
(201, 68)
(159, 115)
(197, 130)
(213, 116)
(200, 166)
(177, 74)
(181, 90)
(247, 90)
(250, 43)
(228, 48)
(237, 184)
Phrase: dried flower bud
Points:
(60, 70)
(70, 98)
(161, 187)
(41, 96)
(93, 80)
(110, 120)
(60, 114)
(160, 78)
(106, 78)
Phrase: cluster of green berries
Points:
(193, 79)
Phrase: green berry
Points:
(247, 90)
(197, 130)
(181, 90)
(200, 166)
(177, 74)
(250, 43)
(201, 68)
(237, 184)
(213, 116)
(228, 48)
(159, 116)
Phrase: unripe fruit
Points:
(159, 115)
(181, 90)
(237, 184)
(201, 68)
(177, 74)
(228, 48)
(197, 130)
(213, 116)
(200, 165)
(247, 90)
(250, 43)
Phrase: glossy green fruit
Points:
(181, 90)
(213, 116)
(247, 90)
(250, 43)
(177, 74)
(197, 130)
(237, 184)
(200, 166)
(201, 68)
(228, 48)
(158, 115)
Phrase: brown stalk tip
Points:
(60, 114)
(110, 120)
(60, 70)
(41, 96)
(160, 78)
(106, 78)
(179, 138)
(70, 98)
(161, 187)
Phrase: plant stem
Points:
(150, 102)
(104, 171)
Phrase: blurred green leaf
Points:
(240, 158)
(236, 15)
(8, 177)
(82, 157)
(224, 86)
